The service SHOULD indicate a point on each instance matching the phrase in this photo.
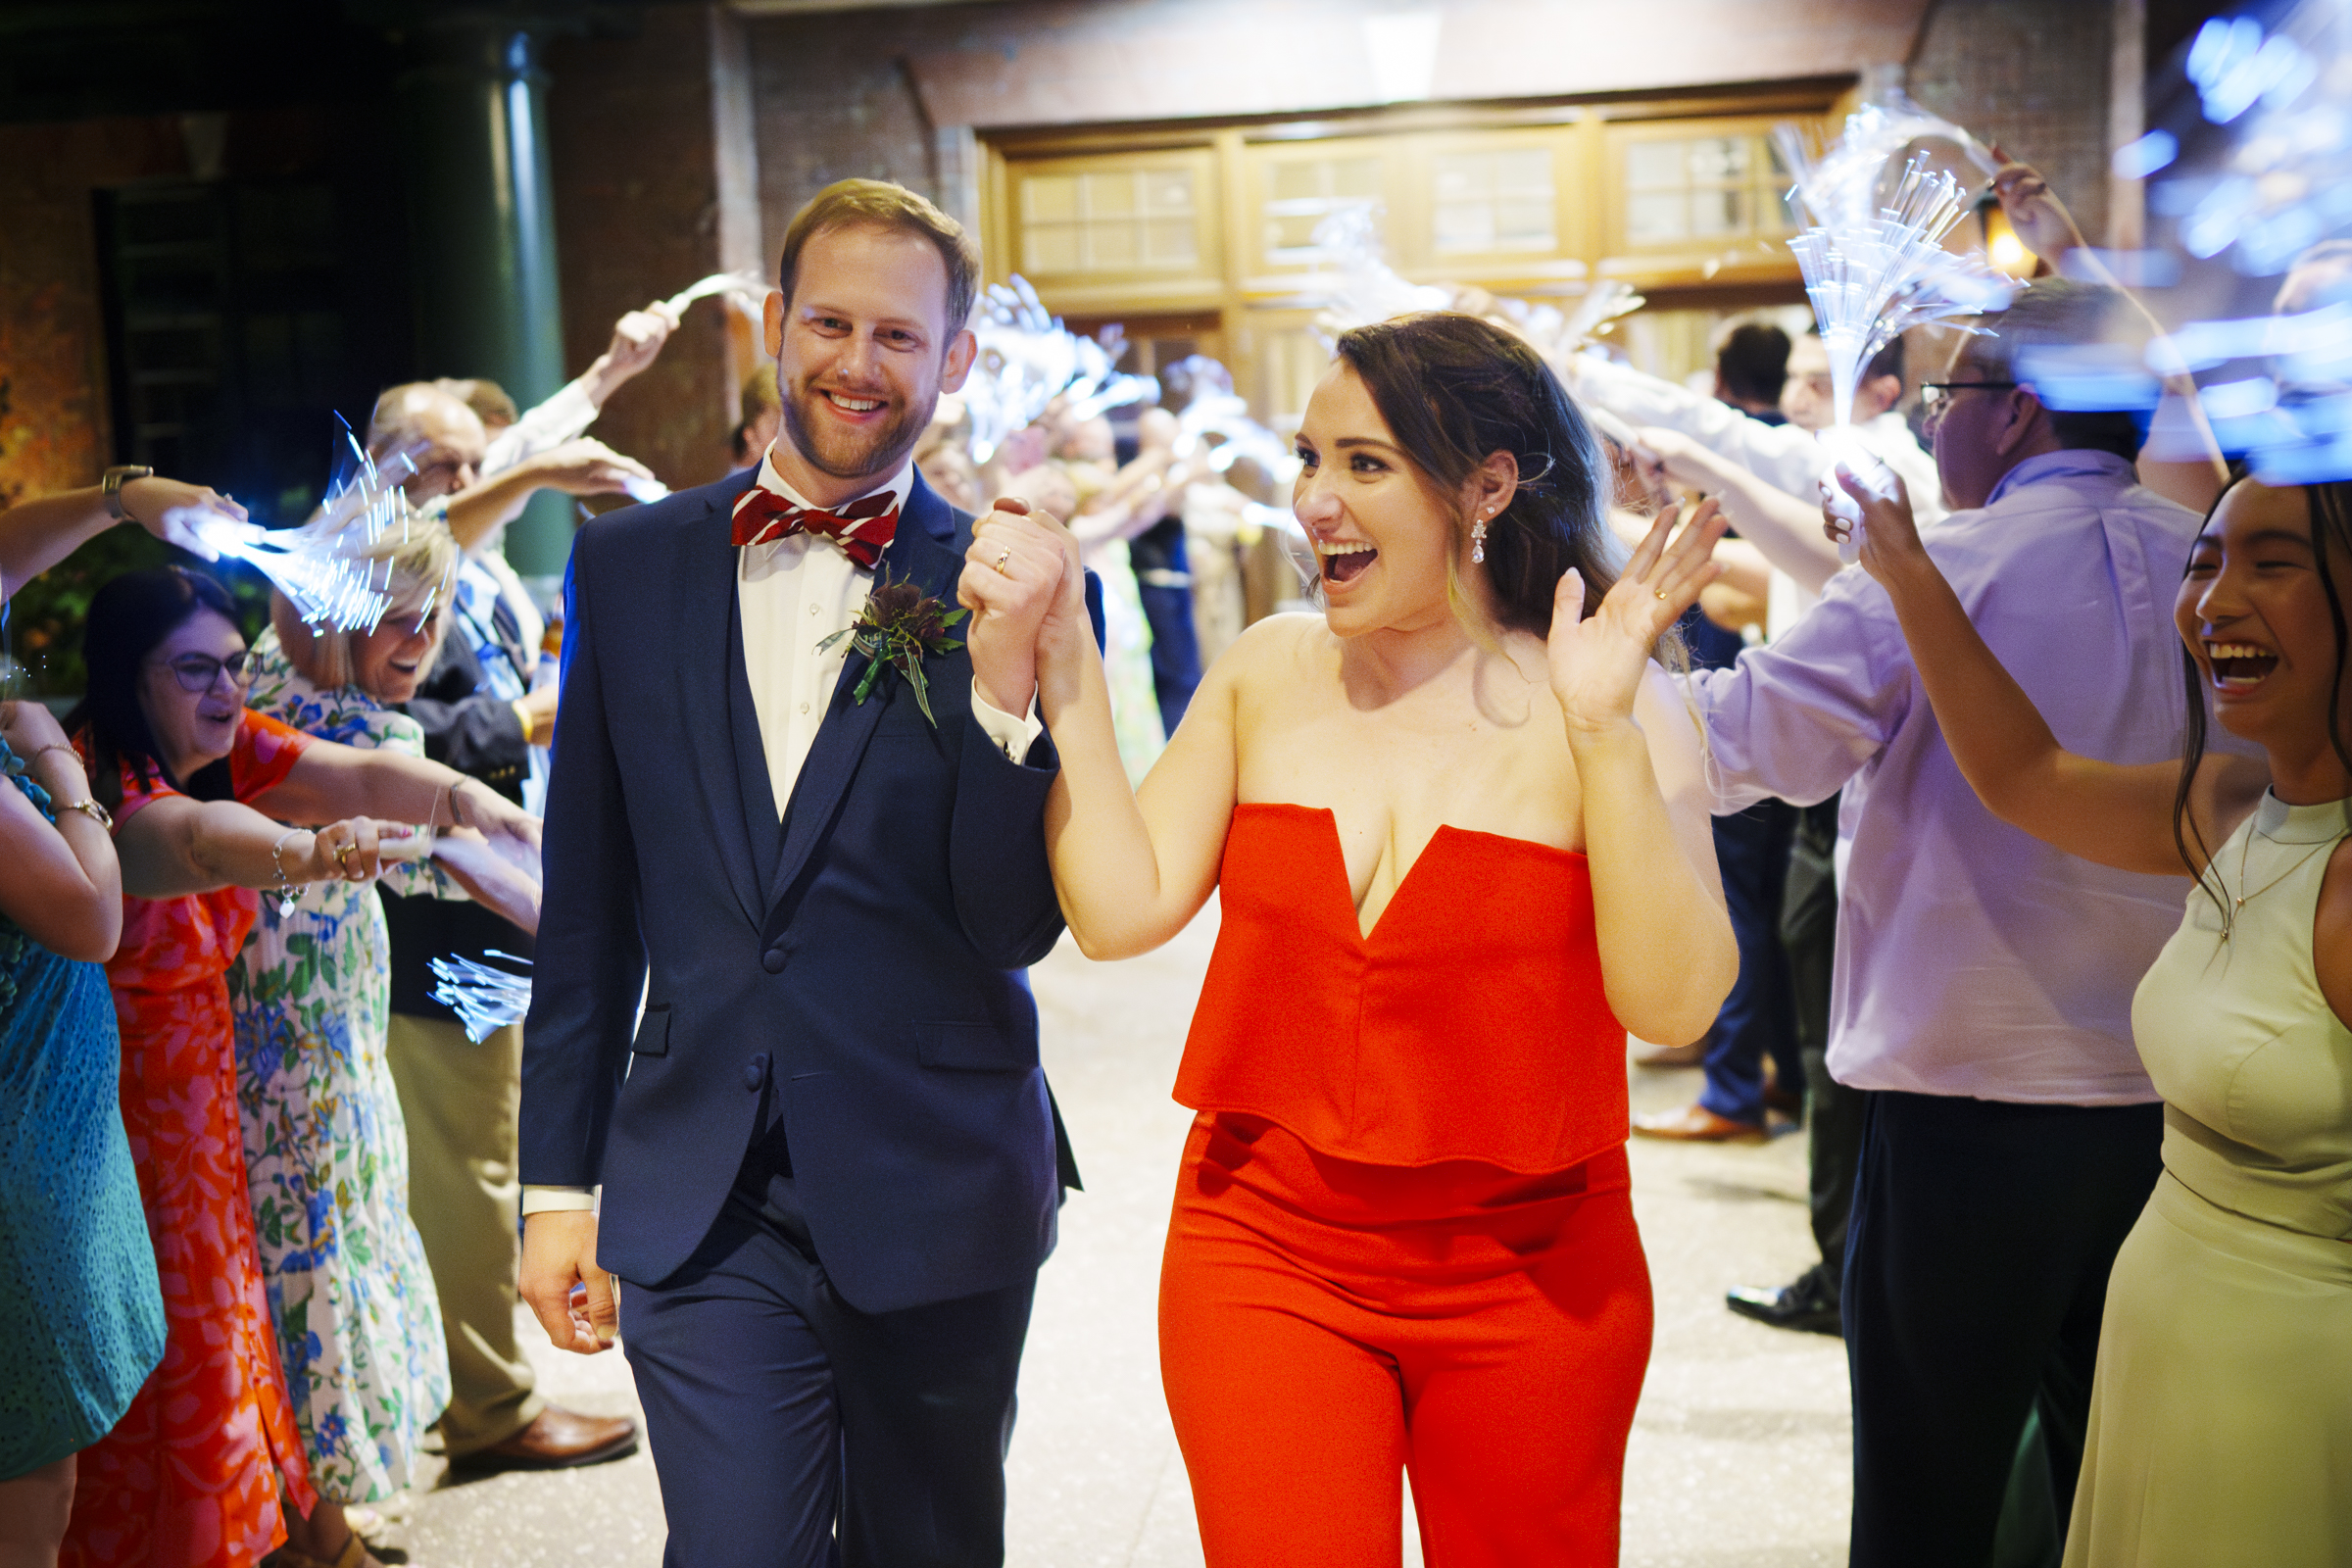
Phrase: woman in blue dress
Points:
(71, 1235)
(74, 1240)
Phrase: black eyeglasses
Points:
(1937, 396)
(198, 672)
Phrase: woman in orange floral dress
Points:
(201, 1468)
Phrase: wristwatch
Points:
(111, 487)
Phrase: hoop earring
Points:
(1478, 541)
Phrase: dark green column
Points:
(483, 230)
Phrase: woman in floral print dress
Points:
(359, 1327)
(204, 1467)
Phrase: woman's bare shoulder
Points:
(1272, 646)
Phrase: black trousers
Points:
(1975, 1271)
(1833, 1112)
(789, 1430)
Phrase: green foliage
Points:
(45, 617)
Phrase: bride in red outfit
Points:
(1459, 829)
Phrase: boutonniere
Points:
(899, 624)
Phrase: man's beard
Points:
(846, 454)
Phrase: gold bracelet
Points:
(90, 809)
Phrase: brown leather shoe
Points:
(1696, 1124)
(556, 1439)
(1693, 1054)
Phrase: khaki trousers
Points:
(460, 1101)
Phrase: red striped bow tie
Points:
(864, 528)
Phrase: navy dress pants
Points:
(1975, 1272)
(789, 1430)
(1758, 1019)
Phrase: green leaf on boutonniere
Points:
(898, 627)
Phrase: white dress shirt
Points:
(794, 593)
(1786, 457)
(1973, 960)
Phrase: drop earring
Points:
(1478, 540)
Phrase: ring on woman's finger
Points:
(1661, 596)
(1002, 556)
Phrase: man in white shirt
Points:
(1983, 981)
(830, 1165)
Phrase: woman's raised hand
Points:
(1597, 663)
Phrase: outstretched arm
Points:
(1667, 955)
(1129, 875)
(36, 535)
(2114, 814)
(1785, 530)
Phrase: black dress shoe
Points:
(1809, 1306)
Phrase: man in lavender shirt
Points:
(1983, 981)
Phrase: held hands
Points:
(1890, 532)
(1015, 576)
(1597, 664)
(349, 851)
(510, 830)
(179, 514)
(586, 466)
(28, 726)
(574, 1300)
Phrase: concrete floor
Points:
(1740, 1452)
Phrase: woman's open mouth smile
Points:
(1344, 560)
(2238, 668)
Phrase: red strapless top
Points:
(1470, 1024)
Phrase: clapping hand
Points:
(1597, 663)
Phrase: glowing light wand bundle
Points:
(1872, 280)
(485, 999)
(320, 566)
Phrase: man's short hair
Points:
(399, 412)
(1754, 362)
(2060, 312)
(487, 399)
(882, 204)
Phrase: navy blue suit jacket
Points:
(855, 955)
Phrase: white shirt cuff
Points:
(545, 1199)
(1013, 736)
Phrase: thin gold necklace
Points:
(2246, 848)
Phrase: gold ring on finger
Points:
(1002, 556)
(1661, 596)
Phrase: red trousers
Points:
(1326, 1326)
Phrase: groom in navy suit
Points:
(830, 1162)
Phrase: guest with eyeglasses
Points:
(198, 789)
(1983, 994)
(327, 1149)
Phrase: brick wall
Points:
(2032, 75)
(637, 193)
(54, 420)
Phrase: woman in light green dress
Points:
(359, 1325)
(2221, 1427)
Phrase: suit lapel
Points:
(712, 689)
(918, 554)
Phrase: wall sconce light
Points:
(2002, 248)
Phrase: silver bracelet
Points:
(285, 884)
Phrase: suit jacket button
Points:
(755, 1071)
(772, 960)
